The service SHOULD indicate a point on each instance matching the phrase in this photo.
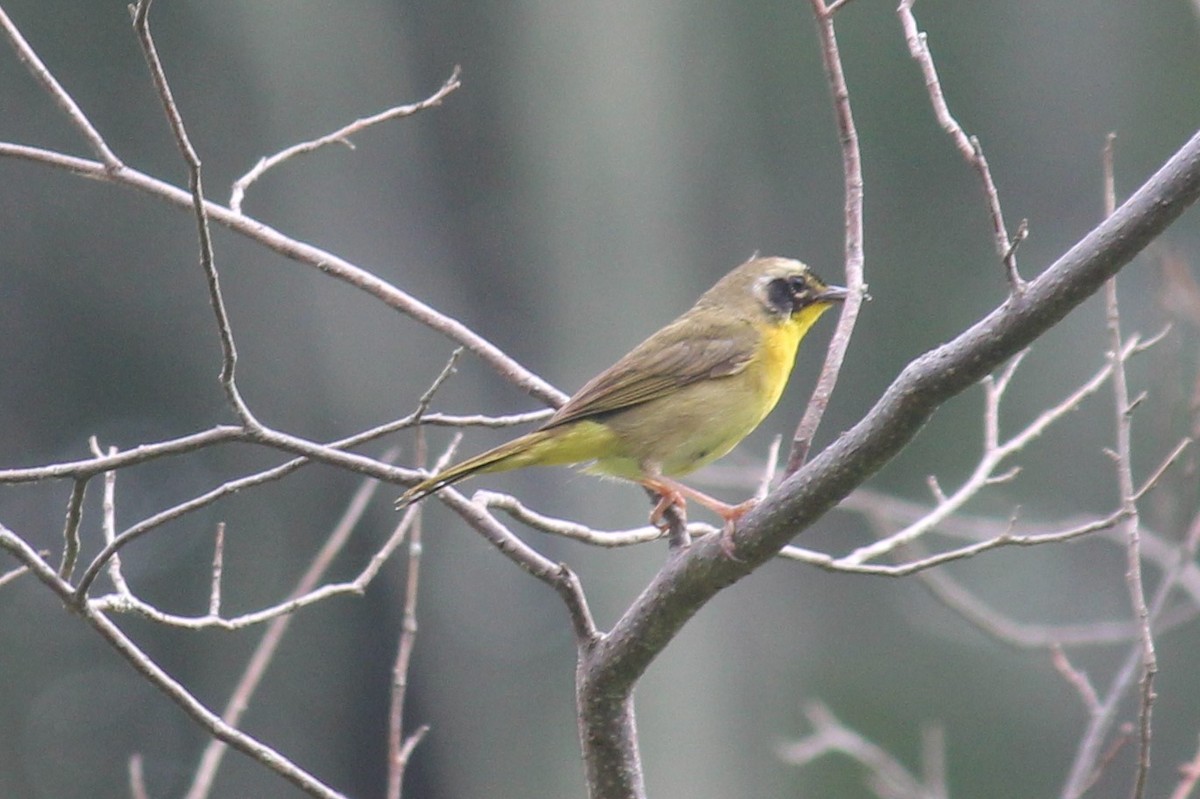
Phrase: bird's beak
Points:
(833, 294)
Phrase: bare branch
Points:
(853, 565)
(58, 94)
(1123, 411)
(109, 526)
(1189, 772)
(993, 455)
(12, 574)
(141, 24)
(125, 601)
(933, 761)
(1076, 678)
(886, 511)
(609, 669)
(137, 778)
(478, 420)
(163, 681)
(770, 468)
(264, 652)
(1024, 635)
(426, 399)
(573, 530)
(261, 435)
(71, 528)
(218, 565)
(399, 748)
(806, 430)
(327, 262)
(888, 778)
(512, 547)
(558, 576)
(1089, 756)
(142, 454)
(1124, 732)
(327, 453)
(410, 744)
(340, 136)
(1157, 475)
(968, 146)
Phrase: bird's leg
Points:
(668, 498)
(675, 493)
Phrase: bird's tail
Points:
(523, 451)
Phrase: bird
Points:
(681, 399)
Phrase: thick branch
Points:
(693, 577)
(608, 734)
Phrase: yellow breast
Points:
(778, 354)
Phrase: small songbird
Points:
(683, 397)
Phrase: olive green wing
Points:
(684, 352)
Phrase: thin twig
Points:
(1125, 485)
(853, 565)
(1077, 678)
(1124, 733)
(968, 146)
(82, 470)
(218, 566)
(71, 528)
(58, 94)
(399, 748)
(557, 575)
(336, 267)
(806, 430)
(933, 761)
(500, 536)
(770, 467)
(993, 455)
(144, 453)
(573, 530)
(887, 776)
(887, 511)
(410, 744)
(331, 452)
(1156, 476)
(108, 524)
(264, 652)
(137, 778)
(426, 399)
(1026, 636)
(1090, 751)
(123, 600)
(1189, 773)
(12, 574)
(141, 24)
(340, 136)
(164, 682)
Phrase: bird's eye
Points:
(798, 285)
(780, 296)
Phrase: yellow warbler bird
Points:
(683, 397)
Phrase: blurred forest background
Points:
(602, 165)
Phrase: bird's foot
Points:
(668, 499)
(732, 514)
